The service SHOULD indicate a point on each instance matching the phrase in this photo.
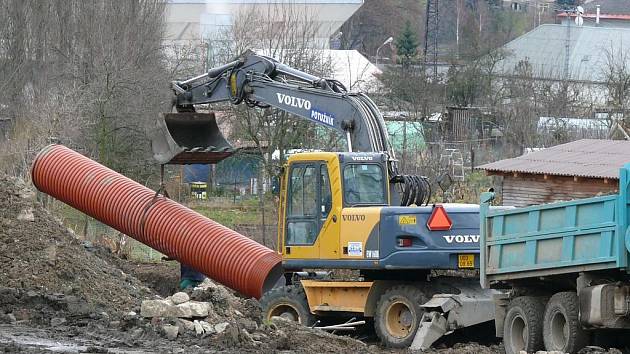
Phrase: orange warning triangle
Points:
(439, 220)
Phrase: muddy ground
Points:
(60, 294)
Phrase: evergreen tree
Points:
(407, 44)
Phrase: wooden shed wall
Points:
(524, 190)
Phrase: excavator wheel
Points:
(398, 315)
(288, 302)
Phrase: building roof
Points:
(582, 158)
(211, 2)
(610, 7)
(545, 49)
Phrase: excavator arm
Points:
(263, 82)
(258, 81)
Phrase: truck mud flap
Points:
(189, 138)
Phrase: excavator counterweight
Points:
(189, 138)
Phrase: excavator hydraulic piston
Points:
(180, 233)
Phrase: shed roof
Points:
(582, 158)
(545, 48)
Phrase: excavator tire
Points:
(288, 302)
(398, 315)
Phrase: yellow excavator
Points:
(342, 210)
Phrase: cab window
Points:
(310, 202)
(326, 193)
(303, 206)
(363, 185)
(303, 191)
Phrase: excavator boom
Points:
(190, 137)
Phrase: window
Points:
(303, 191)
(363, 185)
(326, 193)
(302, 225)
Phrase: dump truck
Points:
(342, 210)
(563, 268)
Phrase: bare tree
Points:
(87, 73)
(617, 77)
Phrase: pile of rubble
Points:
(189, 315)
(212, 314)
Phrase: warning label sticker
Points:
(407, 220)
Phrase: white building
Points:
(206, 20)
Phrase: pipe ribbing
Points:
(180, 233)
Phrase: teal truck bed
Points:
(559, 238)
(561, 271)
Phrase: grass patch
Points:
(229, 216)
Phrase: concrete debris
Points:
(177, 311)
(197, 309)
(198, 328)
(154, 308)
(203, 328)
(26, 215)
(166, 308)
(220, 327)
(185, 324)
(180, 298)
(170, 331)
(206, 285)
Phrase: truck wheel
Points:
(398, 314)
(288, 302)
(562, 330)
(522, 329)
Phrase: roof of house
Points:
(611, 7)
(545, 49)
(582, 158)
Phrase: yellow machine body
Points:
(340, 230)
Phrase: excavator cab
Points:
(185, 138)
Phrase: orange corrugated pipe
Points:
(180, 233)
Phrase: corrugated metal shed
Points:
(545, 49)
(582, 158)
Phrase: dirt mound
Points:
(39, 254)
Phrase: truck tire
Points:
(398, 315)
(288, 302)
(522, 329)
(562, 330)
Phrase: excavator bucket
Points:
(189, 138)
